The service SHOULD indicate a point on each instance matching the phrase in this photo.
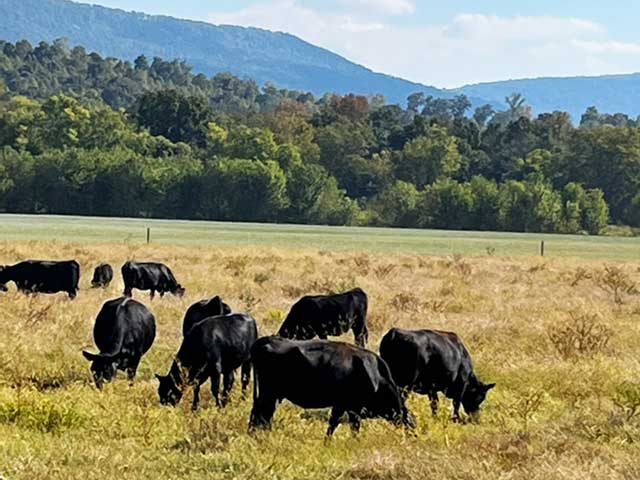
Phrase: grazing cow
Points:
(156, 277)
(214, 346)
(124, 331)
(212, 307)
(37, 276)
(102, 276)
(428, 362)
(324, 315)
(322, 374)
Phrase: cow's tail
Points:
(117, 347)
(256, 391)
(386, 343)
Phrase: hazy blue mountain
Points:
(283, 59)
(610, 93)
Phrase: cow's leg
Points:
(215, 387)
(229, 379)
(456, 410)
(72, 294)
(161, 294)
(354, 421)
(196, 396)
(153, 293)
(322, 336)
(128, 292)
(245, 377)
(132, 368)
(262, 412)
(334, 420)
(360, 332)
(433, 397)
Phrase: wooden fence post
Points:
(542, 248)
(148, 235)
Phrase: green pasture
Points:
(428, 242)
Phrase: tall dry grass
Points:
(563, 349)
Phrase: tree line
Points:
(82, 134)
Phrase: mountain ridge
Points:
(278, 57)
(284, 59)
(610, 93)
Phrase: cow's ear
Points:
(489, 386)
(89, 356)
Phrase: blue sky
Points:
(446, 44)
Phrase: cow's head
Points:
(226, 309)
(474, 395)
(180, 290)
(389, 404)
(215, 306)
(168, 391)
(292, 329)
(103, 367)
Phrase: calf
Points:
(430, 361)
(324, 315)
(38, 276)
(213, 347)
(102, 276)
(197, 312)
(124, 331)
(321, 374)
(156, 277)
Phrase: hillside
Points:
(610, 93)
(259, 54)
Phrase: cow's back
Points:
(46, 276)
(197, 312)
(315, 373)
(420, 359)
(124, 323)
(226, 339)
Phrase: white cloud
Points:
(391, 7)
(496, 28)
(468, 49)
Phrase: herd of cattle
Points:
(290, 365)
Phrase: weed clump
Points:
(583, 335)
(617, 283)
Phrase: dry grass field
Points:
(560, 336)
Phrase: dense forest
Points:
(82, 134)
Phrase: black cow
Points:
(124, 331)
(322, 374)
(430, 361)
(197, 312)
(213, 347)
(102, 276)
(37, 276)
(156, 277)
(324, 315)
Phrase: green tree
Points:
(396, 205)
(446, 204)
(243, 190)
(250, 143)
(176, 116)
(531, 206)
(429, 158)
